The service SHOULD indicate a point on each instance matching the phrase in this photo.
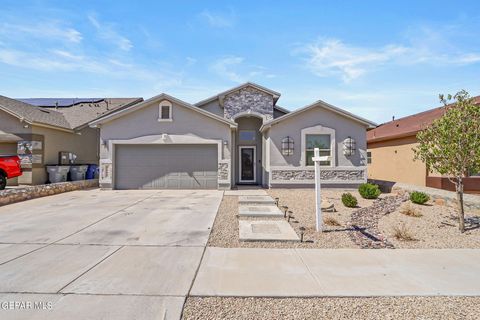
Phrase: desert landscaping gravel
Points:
(302, 203)
(436, 228)
(381, 308)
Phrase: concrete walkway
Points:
(339, 272)
(104, 254)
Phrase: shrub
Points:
(330, 221)
(419, 197)
(369, 191)
(349, 200)
(410, 211)
(402, 233)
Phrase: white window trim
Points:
(318, 130)
(165, 103)
(240, 164)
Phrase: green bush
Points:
(349, 200)
(419, 197)
(369, 191)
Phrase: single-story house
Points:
(240, 136)
(391, 156)
(38, 129)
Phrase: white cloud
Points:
(234, 69)
(224, 67)
(106, 31)
(218, 20)
(329, 57)
(191, 61)
(49, 29)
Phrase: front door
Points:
(247, 168)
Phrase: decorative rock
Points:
(327, 206)
(248, 99)
(223, 171)
(325, 174)
(9, 196)
(364, 222)
(440, 202)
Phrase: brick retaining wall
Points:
(13, 195)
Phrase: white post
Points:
(318, 190)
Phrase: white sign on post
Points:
(318, 189)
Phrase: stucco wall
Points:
(187, 123)
(144, 122)
(84, 145)
(11, 124)
(213, 107)
(393, 161)
(292, 127)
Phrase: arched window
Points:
(165, 111)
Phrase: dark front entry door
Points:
(247, 164)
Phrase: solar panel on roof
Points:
(59, 102)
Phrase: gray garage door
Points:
(166, 167)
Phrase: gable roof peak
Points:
(275, 94)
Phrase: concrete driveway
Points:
(103, 254)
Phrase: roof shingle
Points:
(407, 126)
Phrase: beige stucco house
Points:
(240, 136)
(39, 130)
(391, 156)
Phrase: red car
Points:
(9, 168)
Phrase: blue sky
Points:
(374, 58)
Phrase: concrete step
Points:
(259, 211)
(271, 230)
(252, 200)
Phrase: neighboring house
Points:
(38, 129)
(390, 153)
(239, 136)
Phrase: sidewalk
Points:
(337, 272)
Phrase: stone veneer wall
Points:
(9, 196)
(223, 171)
(331, 175)
(247, 99)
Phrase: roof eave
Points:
(393, 137)
(131, 108)
(369, 124)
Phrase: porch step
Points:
(259, 211)
(252, 200)
(277, 230)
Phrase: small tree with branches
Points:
(451, 144)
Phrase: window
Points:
(165, 111)
(287, 146)
(247, 135)
(321, 141)
(369, 157)
(349, 146)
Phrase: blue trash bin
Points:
(92, 169)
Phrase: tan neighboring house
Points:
(39, 130)
(390, 154)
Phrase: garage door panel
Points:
(166, 167)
